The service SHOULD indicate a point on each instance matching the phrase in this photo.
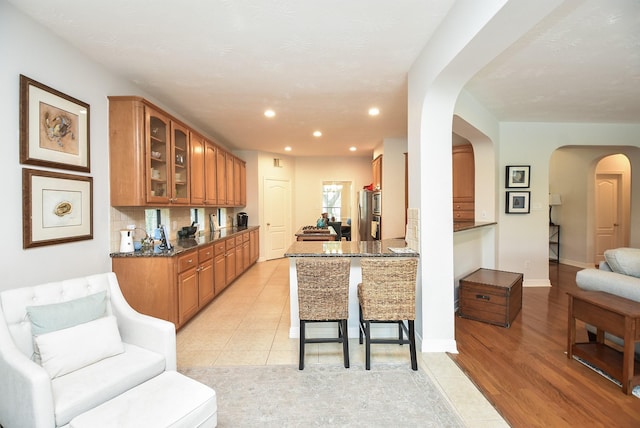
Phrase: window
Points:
(153, 218)
(197, 216)
(336, 199)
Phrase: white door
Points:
(276, 214)
(608, 211)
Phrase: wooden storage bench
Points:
(491, 296)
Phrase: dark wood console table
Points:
(612, 314)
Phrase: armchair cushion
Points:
(84, 389)
(67, 350)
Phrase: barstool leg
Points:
(367, 346)
(345, 343)
(302, 339)
(360, 325)
(400, 333)
(412, 345)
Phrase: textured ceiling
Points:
(321, 65)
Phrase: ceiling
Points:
(322, 65)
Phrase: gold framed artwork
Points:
(54, 128)
(56, 208)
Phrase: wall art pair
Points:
(54, 133)
(517, 177)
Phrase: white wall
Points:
(310, 172)
(27, 48)
(523, 239)
(393, 194)
(571, 174)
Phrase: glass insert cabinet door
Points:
(159, 155)
(180, 165)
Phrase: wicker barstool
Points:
(387, 294)
(323, 296)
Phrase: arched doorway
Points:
(612, 194)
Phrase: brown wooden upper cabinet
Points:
(196, 161)
(377, 172)
(463, 183)
(155, 160)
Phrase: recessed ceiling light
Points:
(317, 134)
(374, 111)
(269, 113)
(352, 149)
(287, 149)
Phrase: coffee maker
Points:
(243, 220)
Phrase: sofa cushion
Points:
(92, 385)
(70, 349)
(624, 260)
(610, 282)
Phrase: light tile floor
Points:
(248, 324)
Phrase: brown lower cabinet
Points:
(177, 288)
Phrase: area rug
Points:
(636, 389)
(326, 396)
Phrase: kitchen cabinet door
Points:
(196, 162)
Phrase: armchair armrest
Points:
(25, 390)
(142, 330)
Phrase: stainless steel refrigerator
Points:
(369, 215)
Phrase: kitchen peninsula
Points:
(354, 250)
(176, 284)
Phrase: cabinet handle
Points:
(483, 297)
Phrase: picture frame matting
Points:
(54, 128)
(518, 202)
(517, 176)
(56, 208)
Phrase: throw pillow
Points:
(624, 260)
(56, 316)
(67, 350)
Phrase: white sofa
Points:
(131, 381)
(619, 274)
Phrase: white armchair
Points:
(54, 392)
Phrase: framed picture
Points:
(54, 128)
(56, 208)
(518, 176)
(517, 202)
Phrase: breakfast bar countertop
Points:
(381, 248)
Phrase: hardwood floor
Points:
(524, 371)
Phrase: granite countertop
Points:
(349, 249)
(459, 226)
(182, 245)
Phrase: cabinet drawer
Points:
(187, 261)
(245, 236)
(238, 240)
(230, 244)
(219, 248)
(463, 215)
(205, 253)
(463, 206)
